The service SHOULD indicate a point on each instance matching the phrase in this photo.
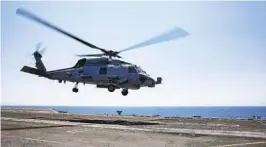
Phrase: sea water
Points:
(184, 111)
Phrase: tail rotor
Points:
(37, 55)
(38, 51)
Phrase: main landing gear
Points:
(111, 88)
(75, 89)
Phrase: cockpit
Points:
(136, 69)
(139, 70)
(80, 63)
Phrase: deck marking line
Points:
(44, 140)
(152, 129)
(78, 130)
(241, 144)
(261, 122)
(50, 141)
(41, 140)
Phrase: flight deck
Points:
(39, 127)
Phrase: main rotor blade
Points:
(90, 55)
(33, 17)
(167, 36)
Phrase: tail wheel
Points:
(111, 88)
(124, 92)
(75, 90)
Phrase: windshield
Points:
(139, 70)
(80, 63)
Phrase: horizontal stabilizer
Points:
(34, 71)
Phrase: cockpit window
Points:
(80, 63)
(132, 70)
(139, 70)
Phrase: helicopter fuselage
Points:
(102, 72)
(122, 76)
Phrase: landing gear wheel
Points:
(124, 92)
(111, 88)
(75, 90)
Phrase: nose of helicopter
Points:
(151, 82)
(147, 81)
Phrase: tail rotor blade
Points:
(38, 46)
(29, 58)
(42, 51)
(28, 55)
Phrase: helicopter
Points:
(105, 69)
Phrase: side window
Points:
(131, 70)
(103, 71)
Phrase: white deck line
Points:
(150, 129)
(240, 144)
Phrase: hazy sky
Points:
(222, 62)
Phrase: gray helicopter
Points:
(103, 69)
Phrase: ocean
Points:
(184, 111)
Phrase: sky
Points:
(221, 63)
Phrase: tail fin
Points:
(41, 70)
(39, 64)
